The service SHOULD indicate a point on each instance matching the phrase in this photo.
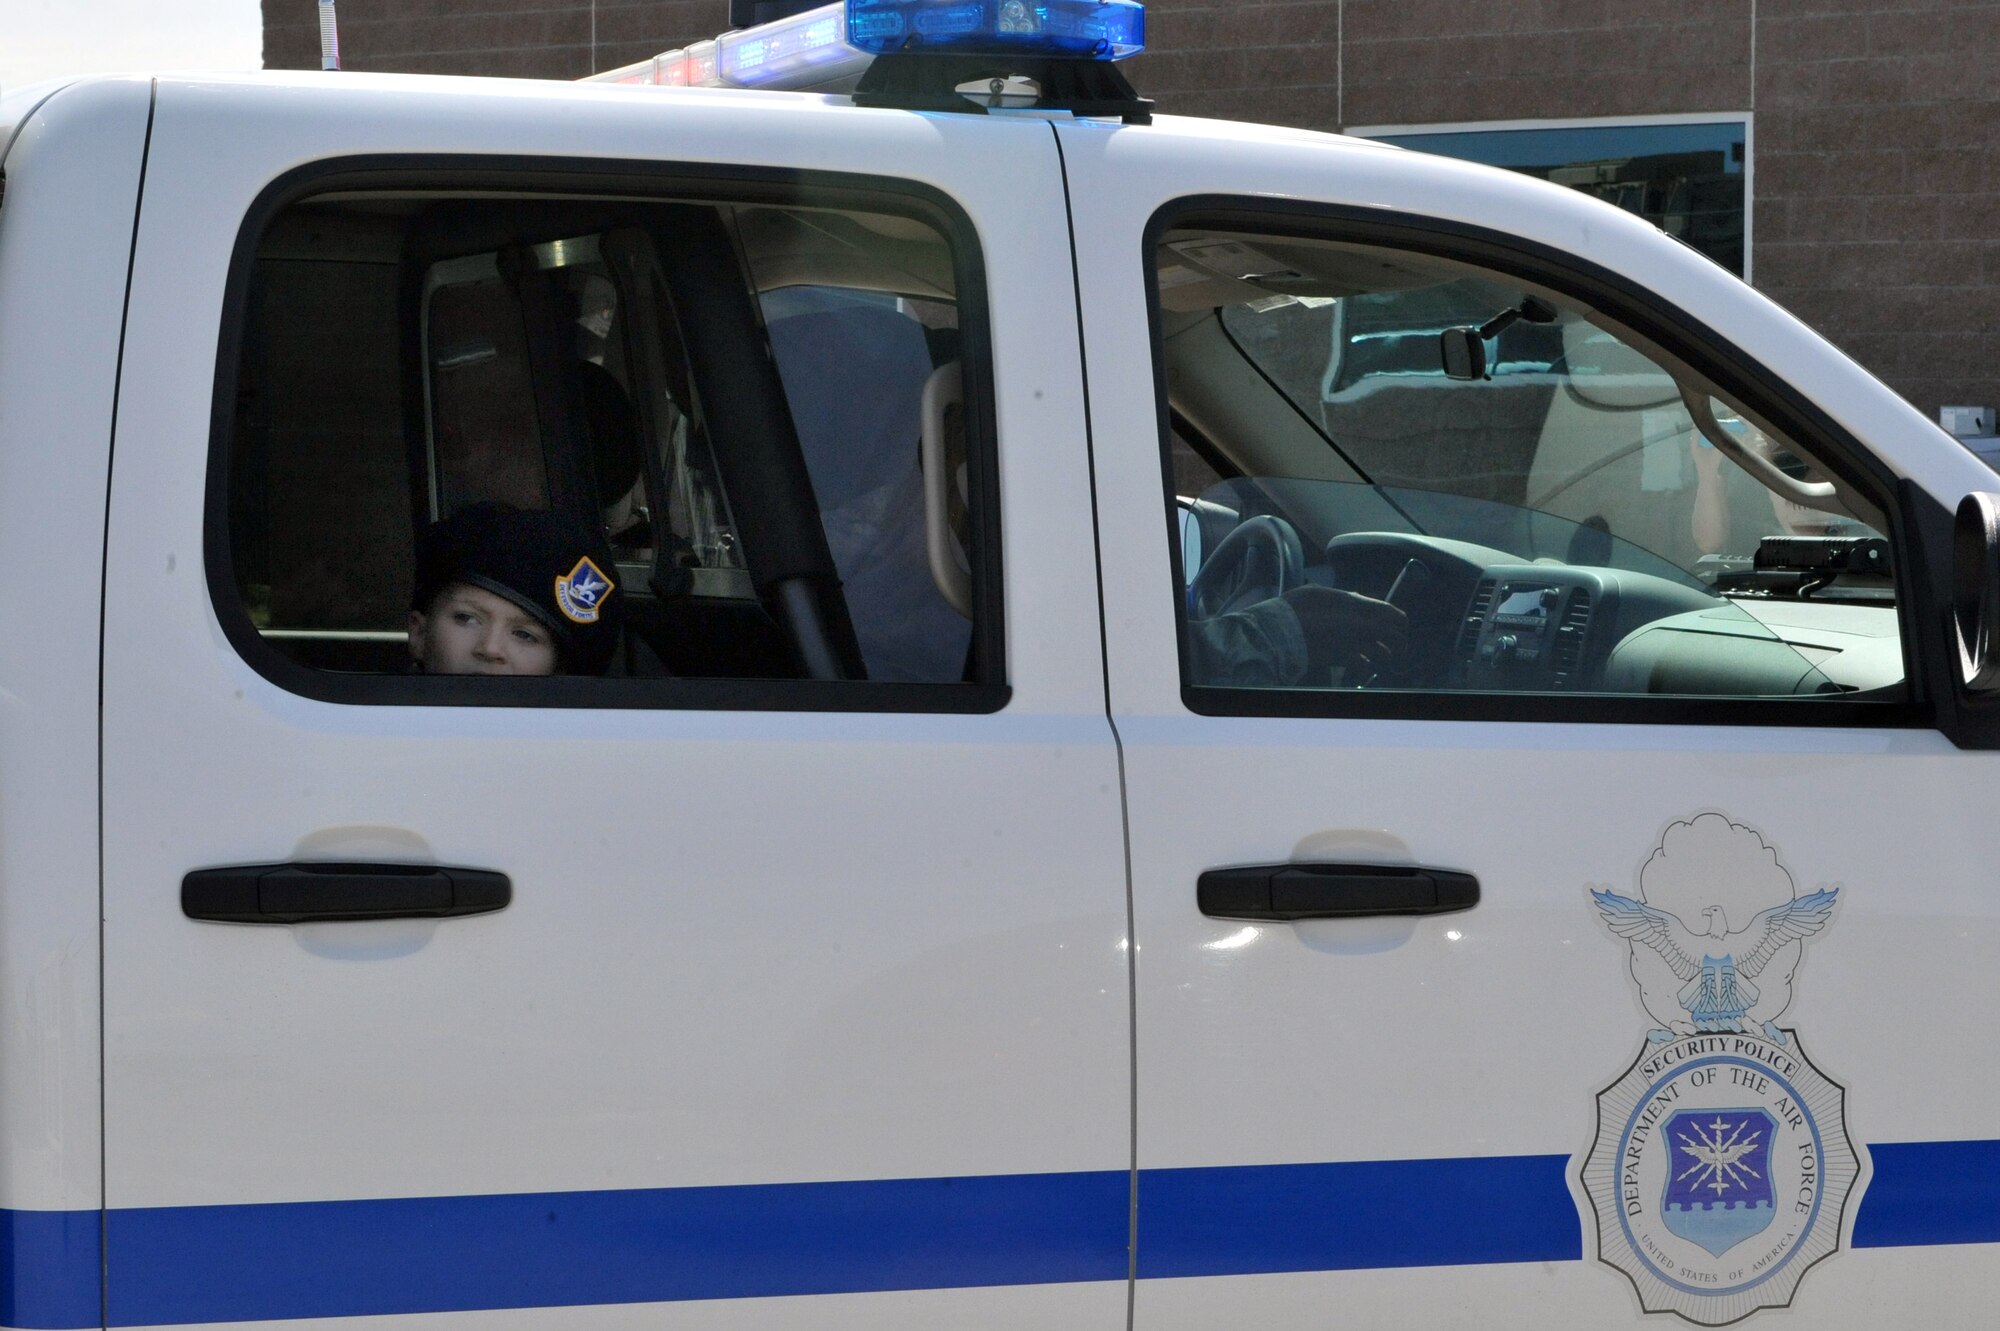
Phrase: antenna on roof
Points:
(329, 37)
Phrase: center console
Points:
(1529, 627)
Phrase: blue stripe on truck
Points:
(436, 1254)
(51, 1268)
(1926, 1193)
(1337, 1217)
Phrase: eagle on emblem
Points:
(1703, 979)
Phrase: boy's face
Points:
(471, 631)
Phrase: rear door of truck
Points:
(808, 1006)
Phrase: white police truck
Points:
(1215, 726)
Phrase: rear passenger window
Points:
(718, 451)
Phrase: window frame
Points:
(641, 183)
(1704, 350)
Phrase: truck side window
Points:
(1455, 481)
(731, 392)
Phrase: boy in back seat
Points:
(507, 591)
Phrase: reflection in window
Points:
(1686, 179)
(488, 442)
(1441, 479)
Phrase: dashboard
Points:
(1486, 620)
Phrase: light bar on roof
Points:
(837, 41)
(1076, 29)
(789, 50)
(797, 52)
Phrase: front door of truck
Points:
(1553, 903)
(806, 1004)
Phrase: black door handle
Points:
(1332, 891)
(293, 893)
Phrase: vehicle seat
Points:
(854, 374)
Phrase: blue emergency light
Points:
(787, 52)
(1077, 29)
(836, 43)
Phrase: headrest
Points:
(854, 376)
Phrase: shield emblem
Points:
(1719, 1181)
(582, 591)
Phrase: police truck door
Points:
(1555, 902)
(807, 1002)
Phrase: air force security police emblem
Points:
(580, 593)
(1722, 1163)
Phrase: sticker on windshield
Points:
(1722, 1164)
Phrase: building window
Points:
(1687, 176)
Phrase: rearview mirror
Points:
(1464, 353)
(1463, 349)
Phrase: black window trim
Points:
(1706, 351)
(643, 182)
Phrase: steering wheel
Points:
(1262, 558)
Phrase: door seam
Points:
(103, 593)
(1118, 753)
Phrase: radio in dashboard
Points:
(1515, 636)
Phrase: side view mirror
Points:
(1975, 592)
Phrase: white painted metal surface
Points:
(1490, 1033)
(744, 948)
(65, 234)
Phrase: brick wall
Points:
(1274, 63)
(540, 39)
(1431, 61)
(1877, 161)
(1875, 158)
